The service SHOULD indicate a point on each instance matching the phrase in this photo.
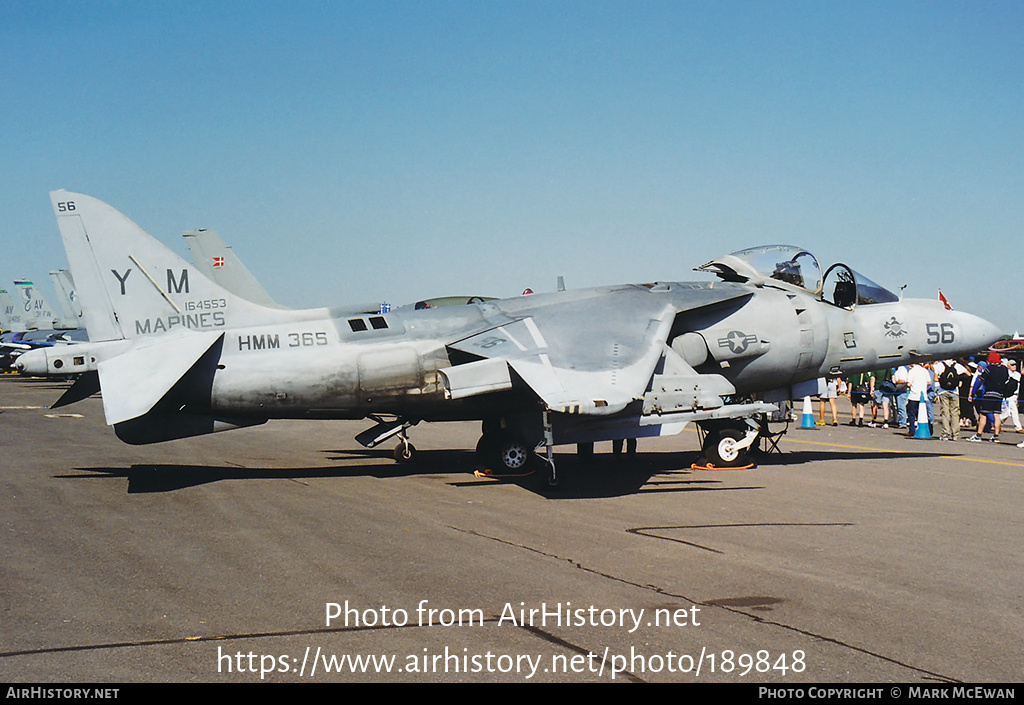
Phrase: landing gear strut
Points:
(549, 445)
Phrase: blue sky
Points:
(360, 151)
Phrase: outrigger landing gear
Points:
(405, 452)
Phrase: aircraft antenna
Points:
(153, 282)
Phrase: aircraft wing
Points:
(592, 355)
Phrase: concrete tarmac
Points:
(857, 555)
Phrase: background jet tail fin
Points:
(10, 313)
(37, 310)
(71, 310)
(219, 262)
(130, 284)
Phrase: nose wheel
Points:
(727, 448)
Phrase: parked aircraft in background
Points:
(183, 356)
(37, 312)
(64, 285)
(28, 325)
(214, 258)
(10, 313)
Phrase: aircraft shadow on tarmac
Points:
(800, 457)
(168, 477)
(600, 476)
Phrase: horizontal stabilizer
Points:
(135, 381)
(87, 384)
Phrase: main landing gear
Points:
(506, 452)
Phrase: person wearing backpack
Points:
(947, 376)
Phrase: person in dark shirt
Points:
(993, 380)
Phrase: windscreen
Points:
(786, 263)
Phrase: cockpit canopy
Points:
(840, 286)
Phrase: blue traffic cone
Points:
(922, 420)
(808, 418)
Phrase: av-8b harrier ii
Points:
(181, 356)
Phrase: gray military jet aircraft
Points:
(182, 356)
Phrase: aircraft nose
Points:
(977, 333)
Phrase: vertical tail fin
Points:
(131, 285)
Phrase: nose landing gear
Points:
(729, 446)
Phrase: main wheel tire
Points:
(512, 454)
(721, 449)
